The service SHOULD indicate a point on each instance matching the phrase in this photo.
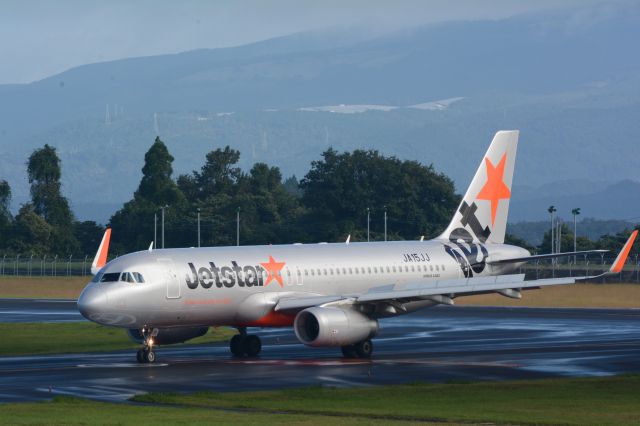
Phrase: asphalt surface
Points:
(435, 345)
(39, 310)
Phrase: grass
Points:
(587, 401)
(42, 287)
(565, 296)
(46, 338)
(75, 411)
(584, 401)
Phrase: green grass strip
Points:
(566, 401)
(75, 411)
(51, 338)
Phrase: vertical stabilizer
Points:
(482, 214)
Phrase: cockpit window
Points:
(138, 277)
(98, 277)
(110, 277)
(127, 277)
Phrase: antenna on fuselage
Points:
(422, 238)
(150, 246)
(348, 239)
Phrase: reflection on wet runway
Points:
(435, 345)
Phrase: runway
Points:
(39, 310)
(435, 345)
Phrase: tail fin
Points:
(482, 214)
(101, 255)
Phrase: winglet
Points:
(618, 264)
(101, 255)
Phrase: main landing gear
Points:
(362, 349)
(245, 345)
(146, 353)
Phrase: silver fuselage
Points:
(230, 286)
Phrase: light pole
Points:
(155, 230)
(238, 226)
(368, 222)
(385, 223)
(551, 210)
(162, 227)
(198, 226)
(575, 212)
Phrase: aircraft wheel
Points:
(150, 356)
(253, 345)
(349, 351)
(364, 349)
(140, 356)
(237, 345)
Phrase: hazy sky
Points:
(42, 38)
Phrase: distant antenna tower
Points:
(326, 135)
(264, 139)
(155, 123)
(107, 117)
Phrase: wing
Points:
(444, 291)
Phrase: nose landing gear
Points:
(243, 344)
(146, 353)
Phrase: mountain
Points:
(568, 80)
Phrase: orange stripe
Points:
(102, 258)
(622, 257)
(272, 319)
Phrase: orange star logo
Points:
(494, 189)
(273, 268)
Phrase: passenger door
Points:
(171, 278)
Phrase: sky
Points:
(42, 38)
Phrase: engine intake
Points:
(333, 326)
(169, 336)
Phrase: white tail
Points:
(482, 214)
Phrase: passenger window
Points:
(406, 268)
(369, 269)
(431, 268)
(298, 271)
(375, 269)
(443, 267)
(413, 268)
(388, 270)
(350, 271)
(288, 273)
(313, 272)
(357, 271)
(331, 271)
(324, 271)
(306, 272)
(344, 271)
(438, 268)
(393, 268)
(319, 273)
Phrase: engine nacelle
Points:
(333, 327)
(169, 336)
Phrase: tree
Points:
(339, 188)
(133, 223)
(220, 172)
(156, 185)
(44, 173)
(5, 213)
(31, 232)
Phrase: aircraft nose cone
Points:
(93, 301)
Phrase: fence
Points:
(70, 266)
(53, 266)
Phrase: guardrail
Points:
(45, 266)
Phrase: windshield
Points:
(110, 277)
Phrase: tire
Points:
(253, 345)
(364, 349)
(140, 356)
(151, 356)
(237, 346)
(349, 351)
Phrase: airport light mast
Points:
(551, 210)
(575, 212)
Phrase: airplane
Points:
(332, 294)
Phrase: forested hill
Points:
(434, 94)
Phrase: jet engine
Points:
(333, 326)
(168, 336)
